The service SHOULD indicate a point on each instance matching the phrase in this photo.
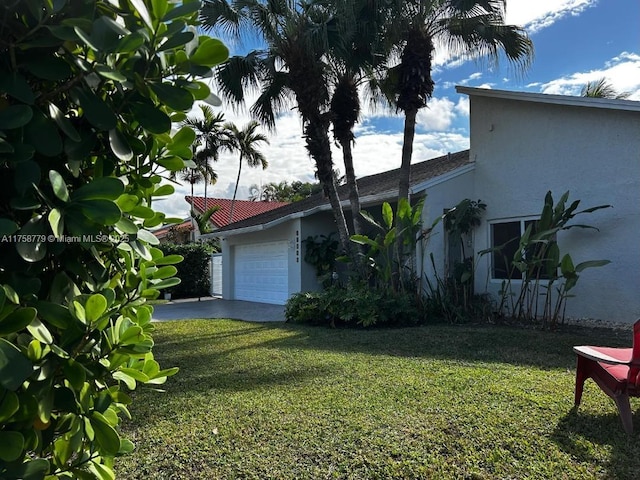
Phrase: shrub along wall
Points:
(194, 270)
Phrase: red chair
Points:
(615, 370)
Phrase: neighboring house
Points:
(176, 233)
(522, 145)
(242, 209)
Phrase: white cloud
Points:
(622, 72)
(436, 116)
(535, 16)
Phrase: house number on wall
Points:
(297, 246)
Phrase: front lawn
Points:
(281, 401)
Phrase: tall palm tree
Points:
(246, 142)
(601, 88)
(292, 66)
(211, 139)
(469, 28)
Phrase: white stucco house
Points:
(522, 145)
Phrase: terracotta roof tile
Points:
(242, 209)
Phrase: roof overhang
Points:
(607, 103)
(365, 200)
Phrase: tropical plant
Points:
(88, 93)
(203, 220)
(469, 28)
(211, 138)
(539, 267)
(321, 251)
(390, 266)
(601, 88)
(291, 66)
(246, 142)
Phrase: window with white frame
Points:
(505, 240)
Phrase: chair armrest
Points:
(592, 354)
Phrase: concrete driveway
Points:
(218, 308)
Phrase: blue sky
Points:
(575, 41)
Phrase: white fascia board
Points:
(607, 103)
(421, 187)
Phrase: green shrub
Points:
(193, 271)
(354, 305)
(88, 93)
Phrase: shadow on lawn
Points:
(581, 434)
(475, 343)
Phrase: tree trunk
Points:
(319, 147)
(235, 191)
(407, 152)
(354, 195)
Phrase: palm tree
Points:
(246, 141)
(211, 139)
(469, 28)
(292, 66)
(601, 88)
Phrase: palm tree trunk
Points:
(235, 191)
(319, 147)
(407, 152)
(354, 196)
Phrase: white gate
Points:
(216, 275)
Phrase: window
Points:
(507, 235)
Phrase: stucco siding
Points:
(523, 149)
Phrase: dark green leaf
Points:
(591, 264)
(106, 435)
(15, 116)
(40, 332)
(14, 366)
(15, 85)
(164, 190)
(100, 188)
(55, 314)
(8, 405)
(104, 212)
(95, 109)
(17, 320)
(7, 227)
(12, 445)
(175, 97)
(43, 134)
(49, 68)
(130, 43)
(151, 118)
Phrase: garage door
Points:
(261, 272)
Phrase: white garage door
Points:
(261, 272)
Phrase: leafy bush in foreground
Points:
(88, 93)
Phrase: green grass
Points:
(280, 401)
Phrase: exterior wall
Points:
(284, 232)
(440, 197)
(523, 149)
(319, 224)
